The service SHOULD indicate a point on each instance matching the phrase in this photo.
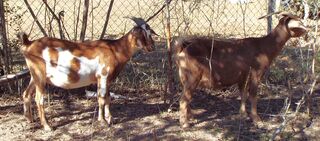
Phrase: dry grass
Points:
(145, 117)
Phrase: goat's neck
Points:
(275, 41)
(127, 47)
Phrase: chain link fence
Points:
(226, 18)
(191, 17)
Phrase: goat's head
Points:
(293, 24)
(143, 34)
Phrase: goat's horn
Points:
(284, 13)
(138, 21)
(270, 14)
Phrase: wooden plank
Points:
(12, 77)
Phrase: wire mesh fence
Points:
(222, 18)
(64, 19)
(203, 17)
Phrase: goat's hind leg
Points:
(244, 96)
(40, 104)
(27, 100)
(185, 109)
(189, 81)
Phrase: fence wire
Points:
(226, 18)
(191, 17)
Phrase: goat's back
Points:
(219, 63)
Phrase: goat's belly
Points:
(217, 82)
(65, 70)
(66, 81)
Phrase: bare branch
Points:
(77, 21)
(61, 15)
(57, 18)
(155, 14)
(107, 19)
(35, 18)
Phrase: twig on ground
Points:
(94, 116)
(284, 117)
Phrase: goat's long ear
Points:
(154, 33)
(284, 20)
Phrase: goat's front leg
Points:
(104, 114)
(244, 96)
(27, 97)
(107, 113)
(185, 110)
(253, 100)
(40, 104)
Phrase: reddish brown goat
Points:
(222, 63)
(71, 65)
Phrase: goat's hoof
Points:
(185, 125)
(30, 120)
(258, 124)
(255, 118)
(28, 117)
(103, 121)
(109, 120)
(243, 115)
(47, 128)
(191, 117)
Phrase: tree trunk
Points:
(3, 39)
(169, 53)
(84, 20)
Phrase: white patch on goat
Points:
(181, 54)
(139, 44)
(103, 80)
(144, 27)
(58, 75)
(181, 57)
(296, 24)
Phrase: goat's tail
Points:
(178, 45)
(23, 38)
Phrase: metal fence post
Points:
(273, 5)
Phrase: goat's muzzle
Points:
(150, 49)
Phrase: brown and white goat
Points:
(71, 65)
(223, 63)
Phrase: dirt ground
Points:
(144, 117)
